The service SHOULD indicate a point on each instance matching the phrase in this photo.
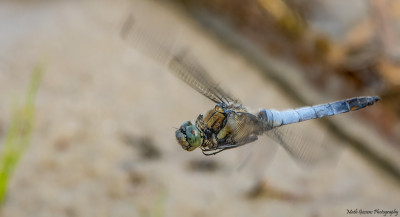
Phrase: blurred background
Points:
(103, 142)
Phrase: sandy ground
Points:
(102, 104)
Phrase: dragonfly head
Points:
(188, 136)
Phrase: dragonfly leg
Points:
(223, 147)
(208, 152)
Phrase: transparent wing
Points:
(246, 127)
(241, 128)
(308, 148)
(180, 62)
(186, 68)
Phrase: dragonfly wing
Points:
(307, 148)
(180, 62)
(242, 128)
(185, 66)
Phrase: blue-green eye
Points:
(185, 124)
(188, 136)
(193, 137)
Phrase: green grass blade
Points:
(19, 133)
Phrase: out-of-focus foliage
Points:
(19, 133)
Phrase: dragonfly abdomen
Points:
(274, 118)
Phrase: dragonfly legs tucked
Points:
(228, 145)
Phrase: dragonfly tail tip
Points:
(376, 98)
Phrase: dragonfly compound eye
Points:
(188, 136)
(185, 124)
(193, 137)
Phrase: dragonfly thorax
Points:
(189, 136)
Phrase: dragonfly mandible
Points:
(229, 124)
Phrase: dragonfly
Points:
(230, 124)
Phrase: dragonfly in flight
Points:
(230, 124)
